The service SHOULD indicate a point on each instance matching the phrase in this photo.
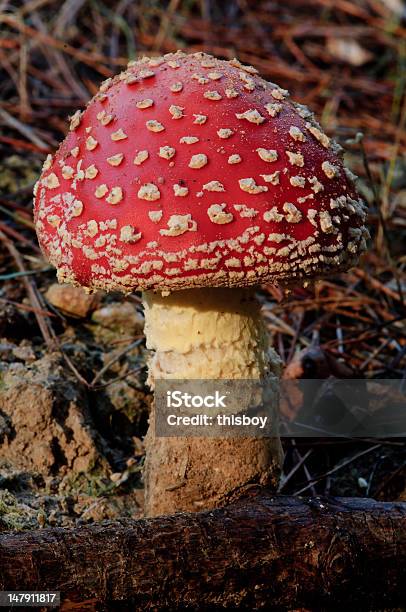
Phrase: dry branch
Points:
(283, 552)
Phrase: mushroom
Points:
(195, 180)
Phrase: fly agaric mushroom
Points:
(195, 180)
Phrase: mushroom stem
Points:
(206, 334)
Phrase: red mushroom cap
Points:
(189, 171)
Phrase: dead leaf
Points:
(348, 51)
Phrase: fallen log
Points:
(262, 550)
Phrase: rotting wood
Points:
(261, 550)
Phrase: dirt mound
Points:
(45, 426)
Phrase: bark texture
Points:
(260, 552)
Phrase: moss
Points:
(15, 516)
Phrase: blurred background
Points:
(73, 400)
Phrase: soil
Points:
(72, 453)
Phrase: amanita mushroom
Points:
(195, 180)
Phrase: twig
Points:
(32, 292)
(167, 17)
(116, 358)
(285, 479)
(26, 308)
(118, 378)
(13, 275)
(94, 60)
(25, 130)
(338, 467)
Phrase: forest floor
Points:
(73, 400)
